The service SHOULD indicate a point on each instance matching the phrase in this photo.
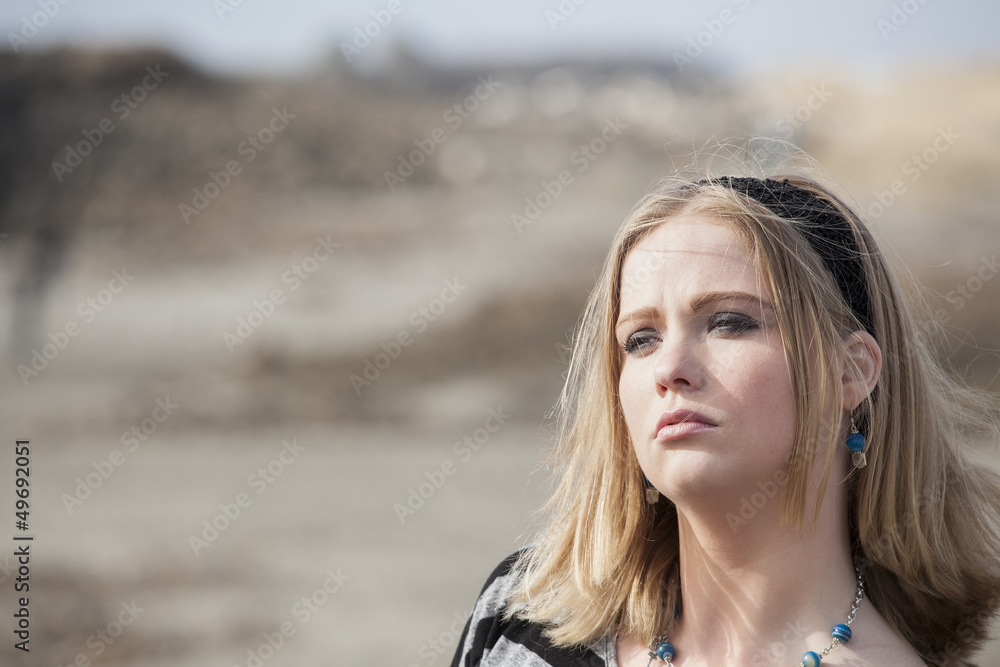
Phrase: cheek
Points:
(761, 385)
(633, 397)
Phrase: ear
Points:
(860, 368)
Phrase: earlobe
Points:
(861, 368)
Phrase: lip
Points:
(681, 423)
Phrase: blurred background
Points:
(287, 286)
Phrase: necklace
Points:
(663, 650)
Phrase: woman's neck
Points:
(758, 593)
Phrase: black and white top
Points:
(489, 641)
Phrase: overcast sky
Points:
(294, 35)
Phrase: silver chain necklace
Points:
(662, 650)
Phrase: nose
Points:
(678, 366)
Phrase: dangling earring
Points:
(856, 443)
(652, 495)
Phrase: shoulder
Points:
(490, 640)
(504, 576)
(878, 644)
(876, 656)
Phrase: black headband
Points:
(822, 225)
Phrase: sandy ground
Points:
(326, 520)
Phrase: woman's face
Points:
(705, 387)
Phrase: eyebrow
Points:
(697, 303)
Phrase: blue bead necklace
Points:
(663, 650)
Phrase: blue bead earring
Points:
(856, 443)
(652, 495)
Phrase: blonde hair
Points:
(924, 518)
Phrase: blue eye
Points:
(732, 323)
(640, 342)
(726, 324)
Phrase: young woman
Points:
(759, 460)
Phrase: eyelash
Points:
(731, 324)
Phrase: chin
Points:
(693, 473)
